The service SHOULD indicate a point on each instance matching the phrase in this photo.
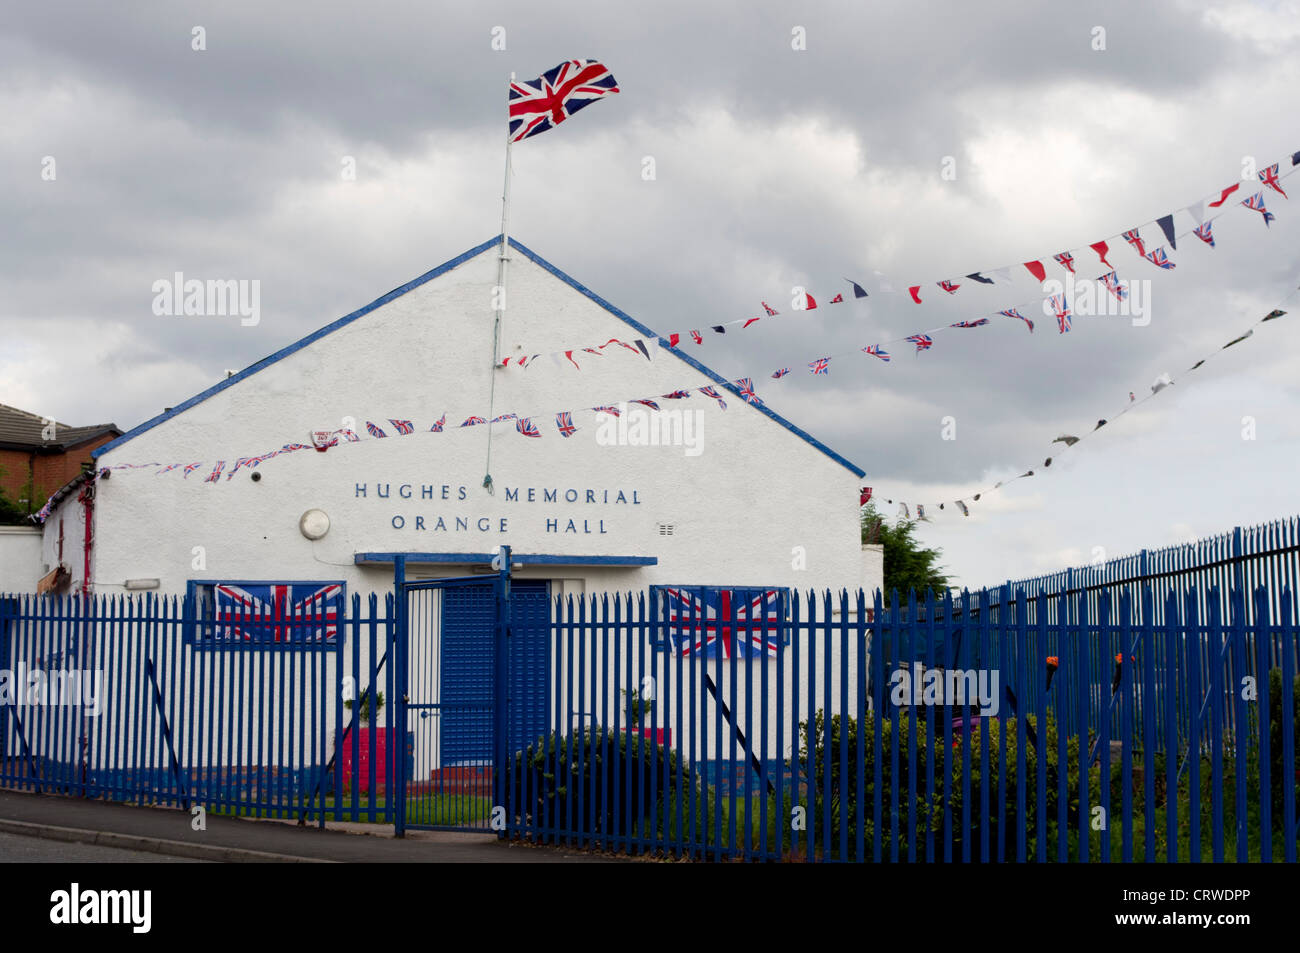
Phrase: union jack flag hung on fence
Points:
(746, 387)
(1134, 239)
(1066, 261)
(1269, 178)
(403, 426)
(780, 373)
(526, 427)
(949, 287)
(1062, 312)
(747, 622)
(875, 350)
(1111, 281)
(820, 366)
(923, 342)
(970, 324)
(1013, 313)
(438, 424)
(374, 431)
(1256, 202)
(1160, 259)
(769, 309)
(540, 104)
(713, 392)
(474, 421)
(1205, 233)
(292, 613)
(564, 422)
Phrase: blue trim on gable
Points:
(707, 371)
(524, 559)
(443, 269)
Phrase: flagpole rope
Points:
(499, 305)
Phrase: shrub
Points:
(1277, 775)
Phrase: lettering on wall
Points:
(558, 510)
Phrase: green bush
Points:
(1277, 774)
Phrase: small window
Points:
(665, 529)
(717, 621)
(260, 614)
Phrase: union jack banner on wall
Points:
(305, 612)
(717, 622)
(540, 104)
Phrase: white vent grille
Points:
(666, 529)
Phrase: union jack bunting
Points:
(748, 322)
(673, 340)
(875, 350)
(676, 395)
(1111, 281)
(820, 366)
(970, 324)
(769, 309)
(836, 300)
(778, 374)
(1205, 233)
(864, 496)
(1256, 202)
(1062, 312)
(170, 466)
(564, 423)
(1160, 259)
(190, 468)
(1224, 197)
(720, 328)
(540, 104)
(242, 462)
(1134, 239)
(923, 342)
(374, 431)
(1066, 261)
(961, 505)
(1269, 178)
(699, 338)
(1131, 397)
(649, 403)
(526, 427)
(713, 392)
(438, 424)
(295, 612)
(920, 511)
(949, 287)
(612, 411)
(906, 513)
(746, 387)
(291, 447)
(403, 426)
(501, 417)
(215, 475)
(474, 421)
(712, 622)
(1013, 313)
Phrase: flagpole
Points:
(499, 305)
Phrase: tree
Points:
(11, 513)
(908, 565)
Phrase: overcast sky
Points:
(774, 167)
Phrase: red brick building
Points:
(38, 455)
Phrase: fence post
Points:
(501, 663)
(403, 698)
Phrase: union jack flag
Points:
(215, 475)
(242, 462)
(1160, 259)
(1134, 239)
(649, 403)
(747, 622)
(1269, 178)
(769, 309)
(501, 417)
(612, 411)
(1111, 281)
(374, 431)
(403, 426)
(1256, 202)
(564, 422)
(875, 350)
(1205, 233)
(1013, 313)
(923, 342)
(1066, 261)
(526, 427)
(438, 424)
(474, 421)
(302, 612)
(820, 366)
(970, 324)
(539, 104)
(778, 374)
(291, 447)
(1062, 312)
(949, 287)
(746, 387)
(698, 337)
(836, 300)
(676, 395)
(190, 468)
(170, 466)
(713, 392)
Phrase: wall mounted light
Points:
(314, 524)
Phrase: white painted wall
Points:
(20, 558)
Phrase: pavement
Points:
(168, 831)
